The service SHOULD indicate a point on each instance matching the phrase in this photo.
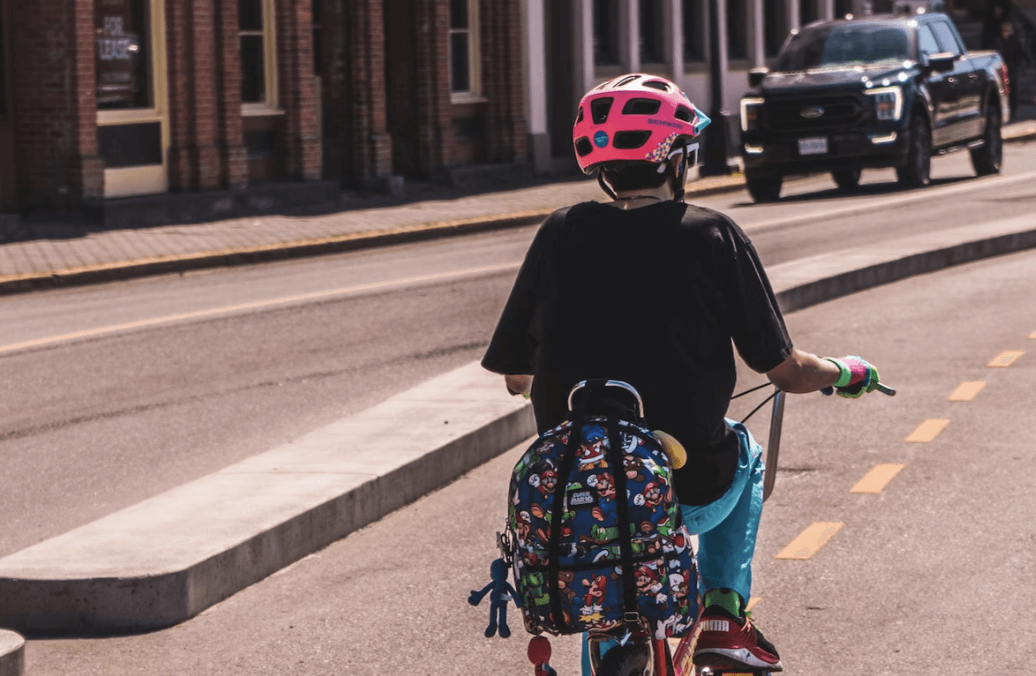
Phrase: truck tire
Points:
(918, 170)
(988, 158)
(847, 180)
(764, 187)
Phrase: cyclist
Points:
(653, 291)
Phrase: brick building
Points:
(142, 111)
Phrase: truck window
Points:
(844, 45)
(946, 37)
(926, 44)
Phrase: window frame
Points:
(474, 91)
(271, 101)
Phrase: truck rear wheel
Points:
(918, 170)
(847, 180)
(988, 158)
(764, 187)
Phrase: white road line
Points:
(316, 295)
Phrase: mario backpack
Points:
(595, 536)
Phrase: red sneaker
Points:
(733, 642)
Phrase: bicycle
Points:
(638, 651)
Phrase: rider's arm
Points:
(803, 372)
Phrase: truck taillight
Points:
(751, 112)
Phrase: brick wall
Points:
(301, 137)
(502, 73)
(371, 144)
(336, 84)
(194, 158)
(54, 104)
(433, 90)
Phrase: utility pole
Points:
(716, 133)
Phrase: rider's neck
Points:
(634, 199)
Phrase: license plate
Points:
(813, 146)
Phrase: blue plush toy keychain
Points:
(499, 590)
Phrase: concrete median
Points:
(165, 560)
(12, 654)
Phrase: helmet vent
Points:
(641, 107)
(599, 109)
(579, 115)
(626, 80)
(584, 147)
(628, 140)
(657, 84)
(684, 113)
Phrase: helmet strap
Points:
(604, 185)
(681, 173)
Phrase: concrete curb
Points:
(12, 654)
(167, 559)
(261, 254)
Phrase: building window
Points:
(463, 52)
(258, 55)
(122, 35)
(737, 30)
(606, 32)
(807, 12)
(652, 42)
(775, 23)
(694, 28)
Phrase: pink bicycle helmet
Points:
(633, 118)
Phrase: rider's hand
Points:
(856, 378)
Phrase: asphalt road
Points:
(121, 391)
(933, 575)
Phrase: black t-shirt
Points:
(651, 296)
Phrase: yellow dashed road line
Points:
(876, 479)
(1005, 359)
(927, 431)
(967, 391)
(810, 541)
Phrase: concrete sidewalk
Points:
(61, 256)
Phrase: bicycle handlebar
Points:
(773, 444)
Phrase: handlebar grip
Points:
(890, 391)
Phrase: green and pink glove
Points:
(857, 377)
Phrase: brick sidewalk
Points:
(62, 256)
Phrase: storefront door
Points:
(132, 116)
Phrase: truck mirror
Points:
(756, 76)
(942, 62)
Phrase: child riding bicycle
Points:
(653, 291)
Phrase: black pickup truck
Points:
(872, 91)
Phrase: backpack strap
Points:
(629, 583)
(557, 515)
